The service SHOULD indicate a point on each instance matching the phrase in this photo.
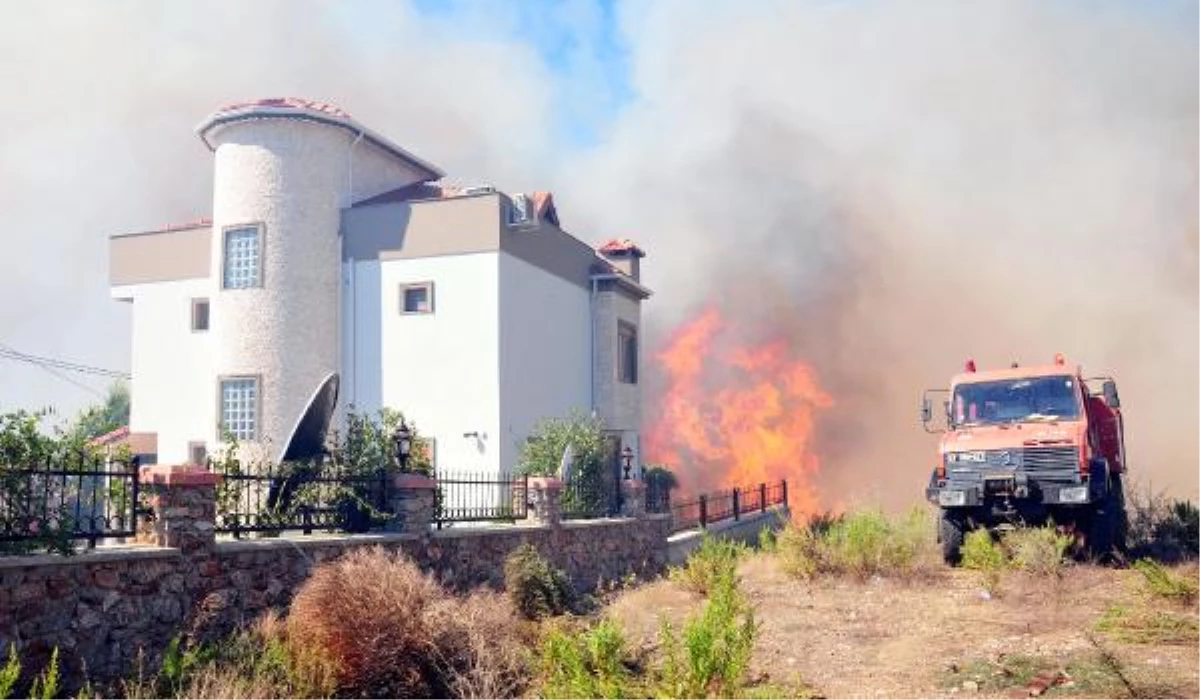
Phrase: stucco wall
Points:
(289, 176)
(545, 353)
(172, 389)
(442, 368)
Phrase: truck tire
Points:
(951, 532)
(1104, 528)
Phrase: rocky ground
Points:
(1092, 632)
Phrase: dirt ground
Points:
(943, 636)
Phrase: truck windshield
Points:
(1014, 400)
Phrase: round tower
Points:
(283, 170)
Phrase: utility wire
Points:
(9, 353)
(49, 365)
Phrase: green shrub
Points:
(712, 654)
(1162, 583)
(1161, 528)
(716, 557)
(45, 686)
(589, 664)
(980, 552)
(1041, 551)
(535, 587)
(861, 544)
(767, 540)
(10, 674)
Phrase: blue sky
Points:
(579, 41)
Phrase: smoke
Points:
(899, 187)
(895, 187)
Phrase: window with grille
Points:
(242, 266)
(627, 353)
(239, 408)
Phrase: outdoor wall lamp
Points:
(403, 440)
(627, 459)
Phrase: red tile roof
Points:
(110, 437)
(292, 103)
(620, 247)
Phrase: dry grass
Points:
(390, 630)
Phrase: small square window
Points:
(242, 260)
(416, 298)
(197, 453)
(239, 408)
(199, 314)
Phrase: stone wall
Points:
(103, 609)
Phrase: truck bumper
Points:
(952, 494)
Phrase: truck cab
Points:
(1029, 445)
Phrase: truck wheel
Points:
(951, 532)
(1103, 528)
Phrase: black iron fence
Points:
(300, 497)
(591, 494)
(65, 499)
(717, 506)
(465, 497)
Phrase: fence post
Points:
(784, 484)
(183, 504)
(704, 510)
(737, 510)
(545, 496)
(633, 498)
(413, 503)
(762, 498)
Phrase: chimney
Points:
(624, 255)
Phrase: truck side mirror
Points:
(1110, 394)
(926, 410)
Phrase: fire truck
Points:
(1029, 446)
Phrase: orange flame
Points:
(736, 414)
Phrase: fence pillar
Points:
(413, 503)
(762, 498)
(182, 508)
(784, 484)
(545, 500)
(633, 498)
(704, 510)
(737, 504)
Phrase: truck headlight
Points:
(952, 498)
(1073, 494)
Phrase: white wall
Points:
(173, 391)
(545, 351)
(442, 368)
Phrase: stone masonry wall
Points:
(103, 609)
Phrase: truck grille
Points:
(1053, 463)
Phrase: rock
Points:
(970, 687)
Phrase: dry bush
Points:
(391, 631)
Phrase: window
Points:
(627, 352)
(199, 314)
(242, 266)
(239, 407)
(416, 298)
(197, 453)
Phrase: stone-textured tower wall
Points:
(288, 176)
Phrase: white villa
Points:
(333, 252)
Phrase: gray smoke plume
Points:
(894, 186)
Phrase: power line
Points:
(52, 366)
(10, 353)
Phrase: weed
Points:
(1040, 551)
(590, 664)
(981, 553)
(712, 654)
(861, 544)
(767, 540)
(537, 589)
(716, 557)
(10, 673)
(45, 686)
(1147, 626)
(1162, 583)
(1164, 529)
